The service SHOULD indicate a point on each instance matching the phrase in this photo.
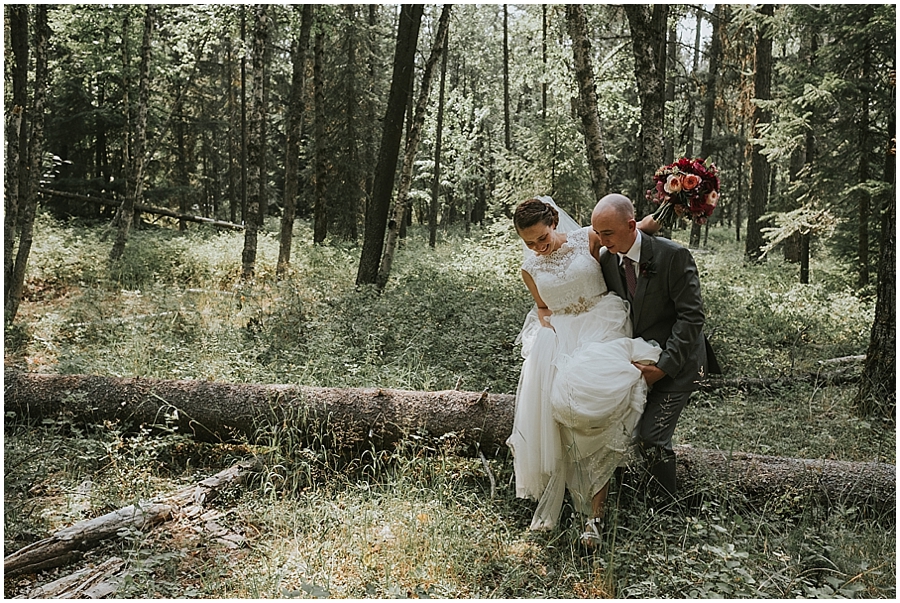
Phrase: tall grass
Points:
(421, 520)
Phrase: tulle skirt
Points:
(578, 402)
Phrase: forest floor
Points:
(423, 520)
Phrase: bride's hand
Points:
(544, 315)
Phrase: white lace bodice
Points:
(569, 280)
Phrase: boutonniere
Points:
(647, 269)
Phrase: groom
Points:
(659, 278)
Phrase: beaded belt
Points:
(581, 306)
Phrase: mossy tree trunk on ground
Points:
(352, 420)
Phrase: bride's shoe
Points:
(591, 538)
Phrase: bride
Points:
(579, 397)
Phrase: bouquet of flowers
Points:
(687, 187)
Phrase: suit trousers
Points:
(655, 437)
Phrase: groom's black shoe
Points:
(662, 484)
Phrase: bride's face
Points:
(539, 238)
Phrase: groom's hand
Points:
(651, 373)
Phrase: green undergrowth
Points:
(422, 520)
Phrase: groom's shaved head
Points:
(613, 221)
(620, 204)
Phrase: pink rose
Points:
(690, 181)
(673, 184)
(712, 198)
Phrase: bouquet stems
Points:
(665, 214)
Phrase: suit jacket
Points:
(667, 308)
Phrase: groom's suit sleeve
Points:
(683, 281)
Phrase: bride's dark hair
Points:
(533, 211)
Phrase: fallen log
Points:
(86, 583)
(210, 411)
(783, 482)
(67, 544)
(839, 376)
(148, 209)
(353, 419)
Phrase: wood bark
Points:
(648, 40)
(398, 214)
(878, 390)
(65, 544)
(134, 183)
(587, 105)
(86, 583)
(320, 211)
(256, 177)
(294, 129)
(438, 136)
(862, 174)
(383, 185)
(760, 170)
(141, 208)
(16, 137)
(29, 185)
(352, 198)
(351, 420)
(507, 133)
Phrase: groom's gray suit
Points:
(667, 307)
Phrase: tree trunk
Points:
(29, 199)
(671, 54)
(709, 98)
(587, 105)
(759, 164)
(695, 88)
(256, 177)
(15, 183)
(60, 547)
(648, 39)
(544, 61)
(134, 185)
(412, 145)
(507, 134)
(352, 198)
(438, 134)
(350, 420)
(371, 151)
(320, 211)
(294, 131)
(377, 214)
(877, 393)
(234, 178)
(863, 170)
(244, 134)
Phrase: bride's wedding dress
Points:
(579, 397)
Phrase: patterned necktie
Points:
(630, 278)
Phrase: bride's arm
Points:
(543, 311)
(649, 226)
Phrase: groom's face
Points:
(616, 231)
